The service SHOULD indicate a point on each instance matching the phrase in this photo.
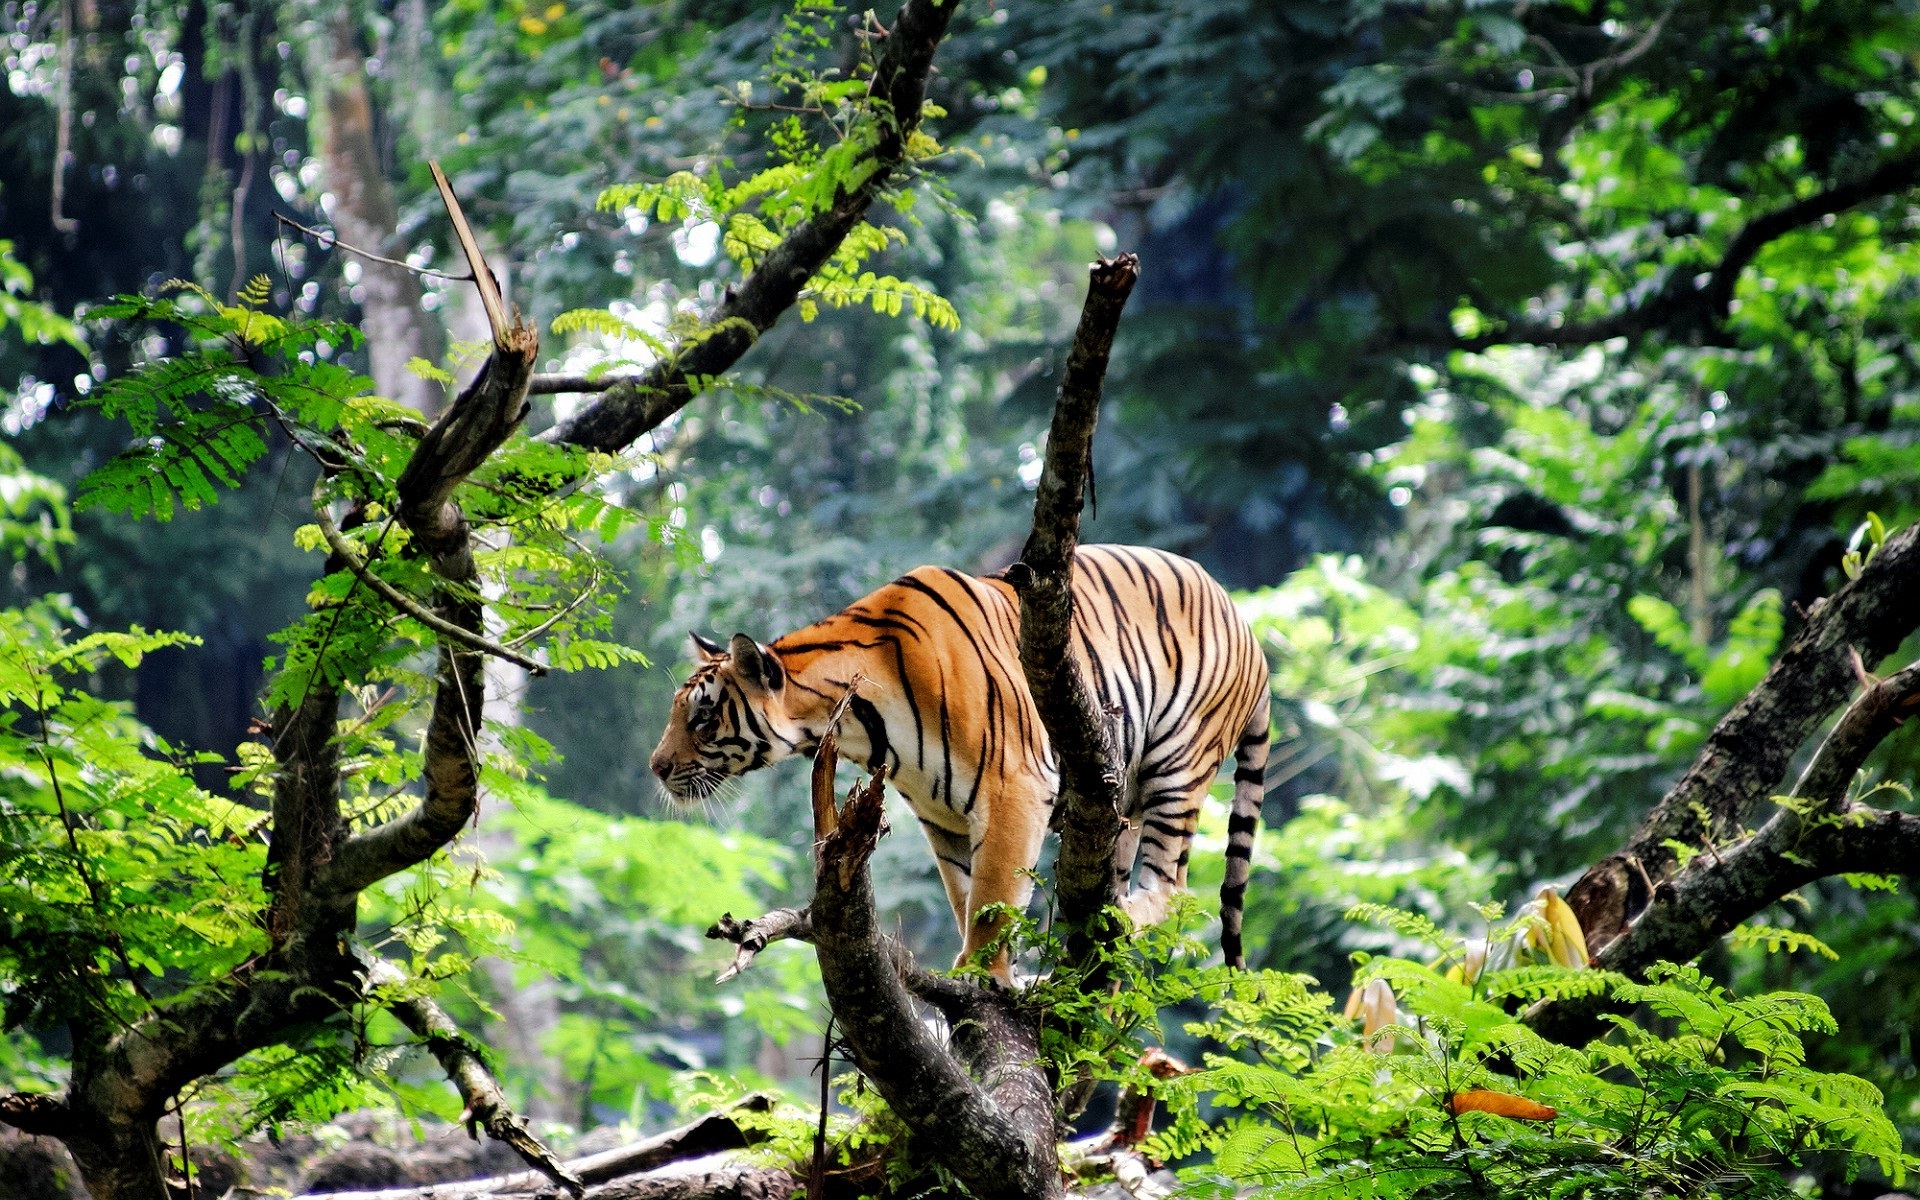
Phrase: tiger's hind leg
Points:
(953, 853)
(1169, 810)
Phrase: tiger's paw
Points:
(1146, 908)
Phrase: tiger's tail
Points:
(1249, 789)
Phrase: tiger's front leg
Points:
(1005, 848)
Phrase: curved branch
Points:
(630, 407)
(1746, 755)
(338, 543)
(484, 1100)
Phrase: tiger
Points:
(939, 700)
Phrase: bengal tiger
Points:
(942, 702)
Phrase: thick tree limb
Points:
(1090, 807)
(1747, 754)
(1688, 307)
(1820, 833)
(485, 1101)
(995, 1133)
(634, 406)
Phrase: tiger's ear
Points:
(754, 662)
(706, 647)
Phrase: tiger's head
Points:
(729, 717)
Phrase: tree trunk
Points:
(364, 213)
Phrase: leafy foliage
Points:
(196, 416)
(123, 882)
(1718, 1101)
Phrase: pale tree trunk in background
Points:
(397, 328)
(530, 1011)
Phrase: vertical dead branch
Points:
(1090, 805)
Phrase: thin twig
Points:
(329, 239)
(337, 541)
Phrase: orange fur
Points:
(942, 700)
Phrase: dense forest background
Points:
(1528, 371)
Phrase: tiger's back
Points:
(943, 703)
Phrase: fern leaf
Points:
(1776, 940)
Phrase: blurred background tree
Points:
(1529, 366)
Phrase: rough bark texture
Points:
(1645, 913)
(1092, 793)
(991, 1122)
(633, 407)
(1746, 756)
(366, 217)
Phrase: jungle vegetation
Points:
(1539, 376)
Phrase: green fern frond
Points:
(1776, 940)
(181, 461)
(1407, 924)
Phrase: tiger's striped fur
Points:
(943, 703)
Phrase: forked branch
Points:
(1746, 756)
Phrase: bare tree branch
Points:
(711, 1177)
(1090, 807)
(714, 1133)
(751, 937)
(1746, 756)
(635, 405)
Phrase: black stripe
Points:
(869, 717)
(1250, 775)
(1242, 823)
